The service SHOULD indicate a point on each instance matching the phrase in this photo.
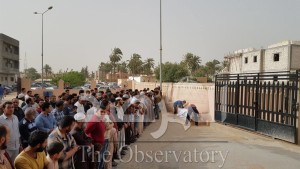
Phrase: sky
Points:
(79, 33)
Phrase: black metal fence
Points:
(263, 102)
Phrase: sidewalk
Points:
(9, 97)
(214, 146)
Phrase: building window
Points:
(246, 60)
(275, 78)
(255, 59)
(6, 78)
(276, 57)
(12, 79)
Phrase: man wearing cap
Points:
(82, 159)
(95, 129)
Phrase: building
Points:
(9, 60)
(283, 56)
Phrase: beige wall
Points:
(200, 94)
(295, 58)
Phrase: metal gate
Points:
(263, 102)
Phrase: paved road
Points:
(214, 146)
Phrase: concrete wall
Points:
(282, 65)
(235, 65)
(251, 66)
(200, 94)
(295, 59)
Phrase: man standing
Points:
(27, 126)
(80, 104)
(62, 134)
(45, 121)
(81, 139)
(11, 121)
(6, 162)
(1, 92)
(58, 112)
(17, 110)
(33, 156)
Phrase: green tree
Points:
(104, 68)
(48, 70)
(172, 72)
(122, 67)
(32, 74)
(135, 64)
(213, 67)
(73, 78)
(192, 62)
(115, 57)
(85, 72)
(148, 66)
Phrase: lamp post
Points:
(43, 39)
(160, 67)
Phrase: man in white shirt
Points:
(80, 104)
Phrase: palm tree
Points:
(122, 67)
(48, 70)
(192, 62)
(115, 57)
(105, 68)
(148, 66)
(135, 64)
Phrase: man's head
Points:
(4, 137)
(53, 99)
(29, 93)
(15, 102)
(80, 119)
(135, 102)
(29, 101)
(29, 113)
(8, 108)
(46, 107)
(38, 140)
(69, 99)
(55, 150)
(66, 123)
(59, 105)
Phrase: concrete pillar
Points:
(93, 84)
(26, 83)
(61, 84)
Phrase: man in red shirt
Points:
(95, 129)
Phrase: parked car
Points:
(81, 88)
(7, 90)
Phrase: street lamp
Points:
(160, 67)
(43, 39)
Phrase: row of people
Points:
(107, 122)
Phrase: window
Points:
(276, 57)
(254, 58)
(12, 79)
(275, 78)
(6, 78)
(246, 60)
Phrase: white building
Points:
(283, 56)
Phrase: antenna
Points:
(25, 62)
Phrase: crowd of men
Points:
(90, 129)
